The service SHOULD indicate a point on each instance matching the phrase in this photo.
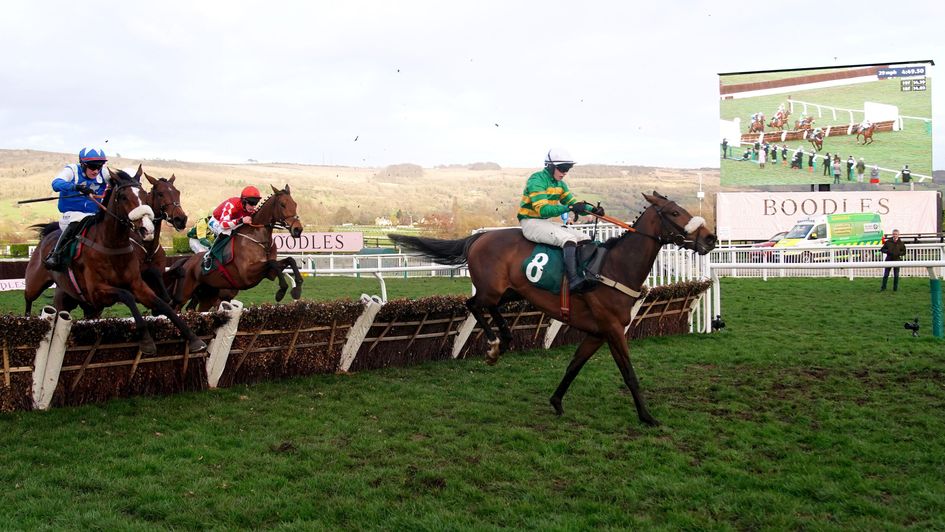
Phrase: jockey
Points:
(756, 117)
(817, 132)
(865, 125)
(75, 183)
(232, 213)
(200, 236)
(545, 198)
(780, 112)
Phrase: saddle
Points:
(74, 248)
(220, 254)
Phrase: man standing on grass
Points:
(895, 250)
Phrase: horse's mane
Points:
(612, 241)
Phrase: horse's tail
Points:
(448, 252)
(46, 228)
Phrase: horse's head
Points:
(280, 210)
(165, 201)
(124, 203)
(679, 227)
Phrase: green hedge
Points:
(19, 250)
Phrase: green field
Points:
(912, 145)
(812, 410)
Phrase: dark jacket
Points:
(894, 249)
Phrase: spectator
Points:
(810, 161)
(747, 155)
(774, 154)
(860, 170)
(784, 154)
(827, 164)
(906, 174)
(874, 174)
(895, 250)
(798, 159)
(762, 156)
(850, 163)
(836, 169)
(725, 148)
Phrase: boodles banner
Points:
(319, 242)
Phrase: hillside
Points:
(476, 195)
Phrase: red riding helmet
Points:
(250, 192)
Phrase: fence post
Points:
(42, 354)
(464, 331)
(935, 290)
(219, 350)
(57, 351)
(358, 331)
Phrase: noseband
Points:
(677, 233)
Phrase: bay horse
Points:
(867, 134)
(253, 257)
(106, 271)
(757, 126)
(817, 140)
(164, 200)
(778, 123)
(804, 123)
(495, 260)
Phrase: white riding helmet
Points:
(558, 156)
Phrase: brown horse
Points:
(495, 261)
(804, 123)
(867, 134)
(164, 200)
(106, 271)
(757, 126)
(253, 257)
(817, 140)
(778, 123)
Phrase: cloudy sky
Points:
(374, 83)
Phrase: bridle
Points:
(284, 223)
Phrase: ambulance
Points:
(825, 231)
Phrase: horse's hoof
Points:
(148, 347)
(280, 294)
(650, 420)
(197, 345)
(556, 403)
(297, 292)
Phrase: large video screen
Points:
(862, 124)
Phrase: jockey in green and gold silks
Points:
(546, 197)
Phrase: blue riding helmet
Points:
(87, 155)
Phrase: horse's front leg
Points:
(274, 271)
(147, 297)
(296, 274)
(145, 341)
(620, 351)
(584, 352)
(155, 280)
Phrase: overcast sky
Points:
(376, 83)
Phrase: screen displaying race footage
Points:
(860, 125)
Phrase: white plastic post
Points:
(464, 331)
(358, 331)
(551, 332)
(57, 352)
(219, 350)
(42, 354)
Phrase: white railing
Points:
(765, 262)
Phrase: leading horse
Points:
(253, 257)
(495, 261)
(106, 271)
(817, 140)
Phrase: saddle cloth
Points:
(544, 268)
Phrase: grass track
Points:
(813, 409)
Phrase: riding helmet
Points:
(250, 192)
(558, 156)
(87, 155)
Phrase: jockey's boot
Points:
(53, 261)
(569, 253)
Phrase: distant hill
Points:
(475, 195)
